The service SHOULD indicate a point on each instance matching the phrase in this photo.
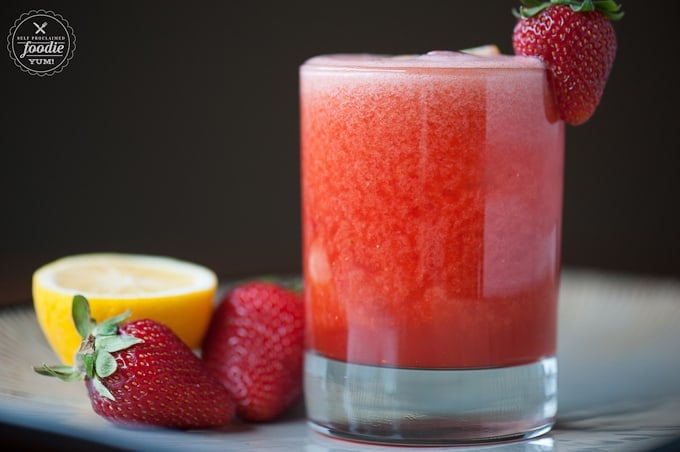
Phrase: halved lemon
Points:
(177, 293)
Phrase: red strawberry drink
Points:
(432, 196)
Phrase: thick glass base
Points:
(430, 406)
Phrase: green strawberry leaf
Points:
(80, 312)
(529, 12)
(64, 373)
(109, 327)
(609, 8)
(606, 5)
(115, 343)
(104, 363)
(585, 6)
(101, 389)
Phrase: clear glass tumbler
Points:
(432, 201)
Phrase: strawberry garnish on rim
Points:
(576, 41)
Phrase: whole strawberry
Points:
(140, 373)
(576, 41)
(254, 345)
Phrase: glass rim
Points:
(429, 62)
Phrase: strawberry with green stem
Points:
(140, 373)
(576, 41)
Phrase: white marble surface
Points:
(619, 361)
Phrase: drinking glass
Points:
(432, 200)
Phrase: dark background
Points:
(174, 130)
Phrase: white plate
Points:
(619, 374)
